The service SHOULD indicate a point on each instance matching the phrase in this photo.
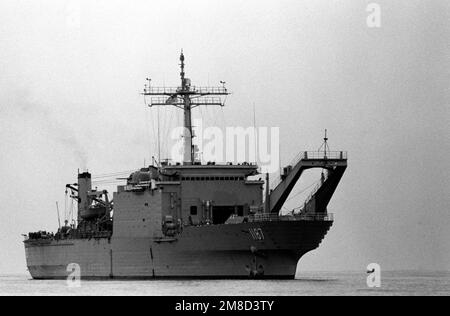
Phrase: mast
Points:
(185, 97)
(188, 136)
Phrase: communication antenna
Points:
(255, 132)
(325, 146)
(57, 212)
(159, 137)
(185, 97)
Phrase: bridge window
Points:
(193, 210)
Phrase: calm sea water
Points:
(308, 283)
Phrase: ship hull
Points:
(257, 249)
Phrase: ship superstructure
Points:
(190, 219)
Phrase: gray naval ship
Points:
(190, 219)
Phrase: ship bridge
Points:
(212, 192)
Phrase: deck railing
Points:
(325, 217)
(191, 89)
(309, 155)
(72, 235)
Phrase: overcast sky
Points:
(71, 72)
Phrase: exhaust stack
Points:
(84, 200)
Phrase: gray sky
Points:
(69, 99)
